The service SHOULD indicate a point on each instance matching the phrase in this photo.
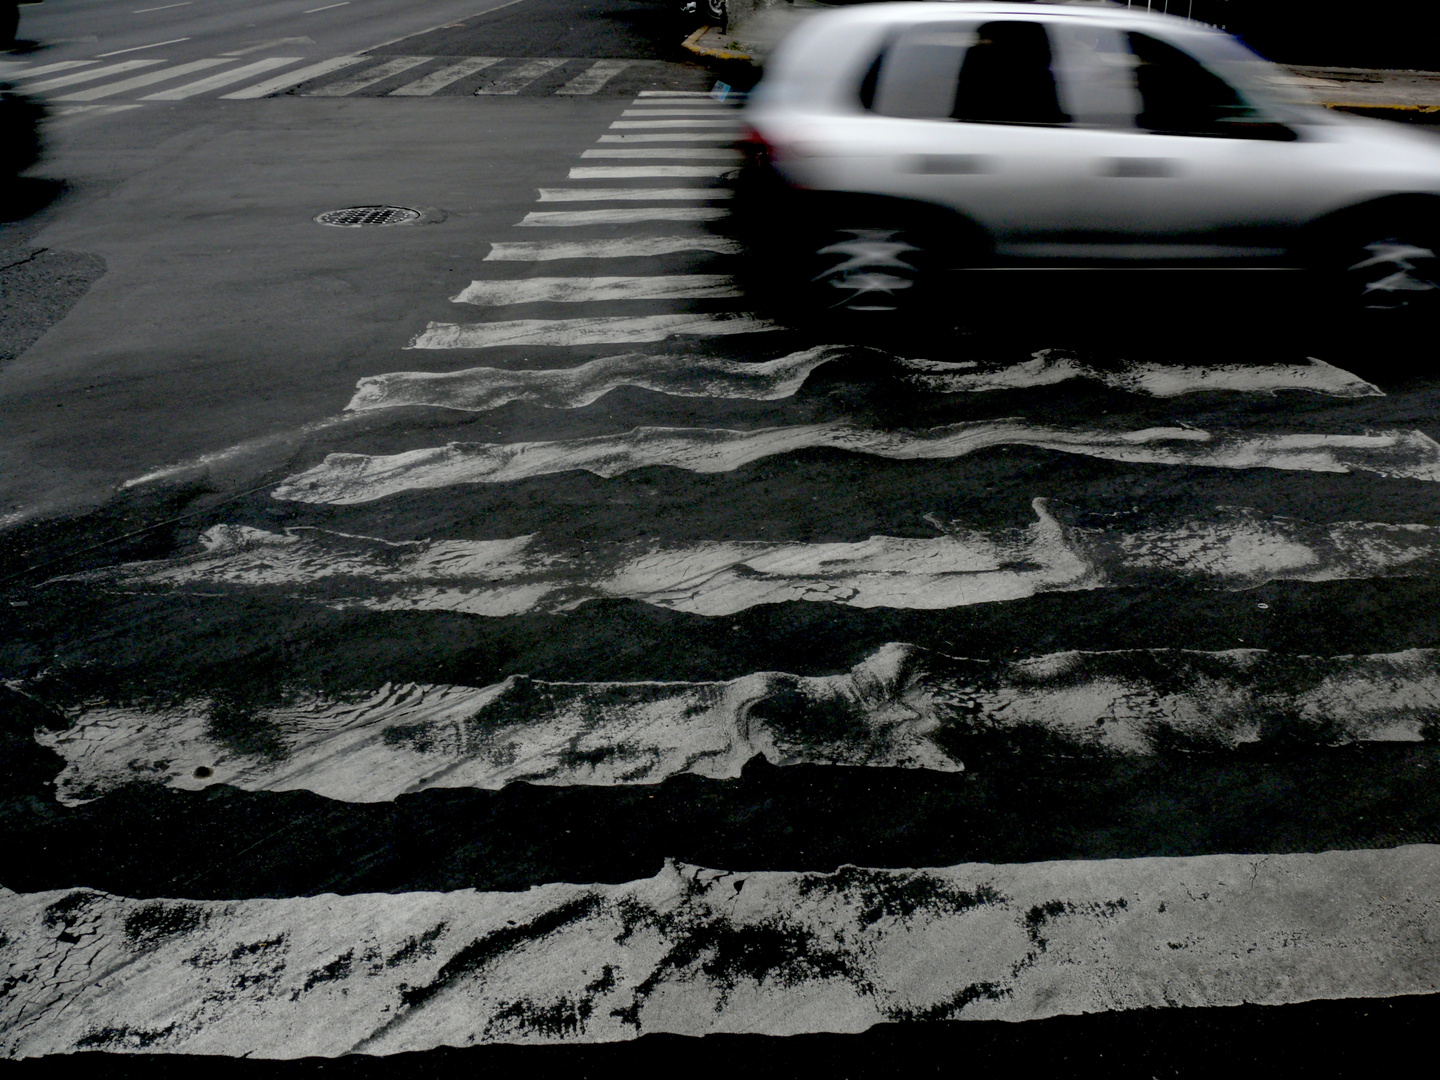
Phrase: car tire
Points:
(716, 12)
(1379, 269)
(868, 270)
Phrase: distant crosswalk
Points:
(75, 84)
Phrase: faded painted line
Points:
(225, 78)
(601, 331)
(675, 137)
(355, 478)
(582, 289)
(678, 153)
(625, 248)
(692, 951)
(636, 172)
(655, 113)
(90, 75)
(369, 77)
(621, 125)
(147, 79)
(46, 69)
(627, 216)
(478, 389)
(902, 707)
(593, 78)
(138, 48)
(1228, 548)
(438, 80)
(632, 194)
(515, 80)
(293, 78)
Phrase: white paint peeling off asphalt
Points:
(478, 389)
(632, 194)
(357, 478)
(584, 289)
(638, 172)
(608, 330)
(381, 973)
(1232, 548)
(625, 216)
(902, 707)
(670, 152)
(624, 248)
(730, 124)
(669, 137)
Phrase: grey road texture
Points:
(506, 639)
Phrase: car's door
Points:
(970, 115)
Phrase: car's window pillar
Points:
(1007, 78)
(1181, 96)
(1094, 68)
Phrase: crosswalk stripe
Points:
(772, 953)
(630, 216)
(631, 194)
(675, 94)
(137, 81)
(592, 79)
(368, 77)
(653, 114)
(612, 330)
(347, 479)
(670, 137)
(584, 289)
(515, 80)
(445, 76)
(771, 380)
(637, 172)
(92, 110)
(686, 153)
(48, 69)
(626, 248)
(294, 78)
(90, 75)
(224, 78)
(622, 124)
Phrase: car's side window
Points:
(1179, 96)
(994, 73)
(1006, 77)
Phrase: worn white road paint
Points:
(581, 289)
(694, 951)
(293, 78)
(624, 248)
(149, 78)
(620, 125)
(368, 77)
(478, 389)
(1049, 367)
(224, 78)
(89, 76)
(1230, 548)
(516, 79)
(670, 137)
(438, 80)
(642, 172)
(593, 78)
(353, 478)
(678, 153)
(20, 74)
(902, 707)
(632, 194)
(694, 108)
(609, 330)
(628, 216)
(263, 443)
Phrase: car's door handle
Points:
(1139, 167)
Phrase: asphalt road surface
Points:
(503, 630)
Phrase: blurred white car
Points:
(891, 141)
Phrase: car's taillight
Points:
(757, 149)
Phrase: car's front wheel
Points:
(1387, 268)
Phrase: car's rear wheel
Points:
(868, 269)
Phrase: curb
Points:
(693, 44)
(1377, 105)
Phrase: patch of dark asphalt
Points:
(38, 287)
(258, 647)
(222, 843)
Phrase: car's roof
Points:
(1105, 10)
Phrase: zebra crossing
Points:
(74, 84)
(715, 703)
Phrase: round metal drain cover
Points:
(357, 217)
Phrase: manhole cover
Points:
(355, 217)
